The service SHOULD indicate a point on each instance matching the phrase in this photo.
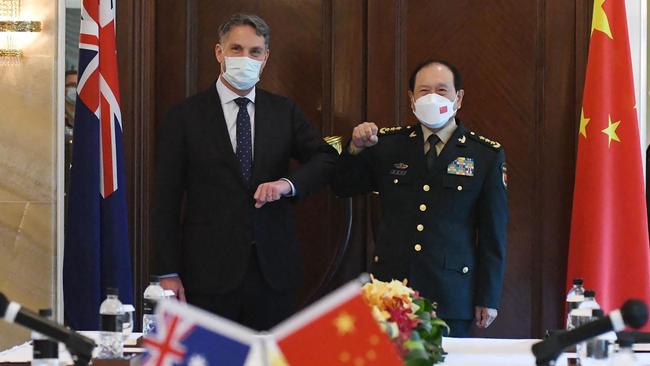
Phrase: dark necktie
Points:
(244, 151)
(432, 154)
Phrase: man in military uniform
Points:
(443, 198)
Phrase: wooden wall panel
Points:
(136, 44)
(347, 61)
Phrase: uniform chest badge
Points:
(399, 169)
(461, 166)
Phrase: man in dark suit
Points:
(443, 199)
(225, 152)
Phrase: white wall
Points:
(637, 15)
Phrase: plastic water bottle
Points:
(583, 315)
(596, 350)
(45, 351)
(573, 299)
(625, 356)
(152, 294)
(111, 341)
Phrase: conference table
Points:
(461, 352)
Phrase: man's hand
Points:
(271, 191)
(365, 135)
(484, 316)
(174, 284)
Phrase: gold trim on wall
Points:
(20, 26)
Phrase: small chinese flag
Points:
(609, 226)
(337, 330)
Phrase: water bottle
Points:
(625, 356)
(111, 341)
(583, 315)
(152, 294)
(596, 350)
(45, 351)
(573, 298)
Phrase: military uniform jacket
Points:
(445, 229)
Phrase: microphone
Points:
(633, 313)
(80, 347)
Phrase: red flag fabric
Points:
(338, 330)
(609, 226)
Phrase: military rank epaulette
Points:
(484, 140)
(393, 130)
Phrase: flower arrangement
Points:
(408, 319)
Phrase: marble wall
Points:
(28, 155)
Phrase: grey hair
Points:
(261, 28)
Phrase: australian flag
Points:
(97, 254)
(190, 336)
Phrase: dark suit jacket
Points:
(443, 231)
(211, 245)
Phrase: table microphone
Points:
(633, 313)
(80, 347)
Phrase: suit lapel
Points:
(417, 151)
(263, 129)
(218, 131)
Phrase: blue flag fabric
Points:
(97, 251)
(190, 336)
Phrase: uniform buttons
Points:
(465, 269)
(376, 259)
(417, 247)
(420, 227)
(423, 207)
(426, 188)
(459, 188)
(395, 180)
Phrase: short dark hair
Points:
(71, 71)
(261, 28)
(457, 79)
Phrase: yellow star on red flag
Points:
(599, 20)
(610, 131)
(344, 323)
(583, 123)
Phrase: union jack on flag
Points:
(98, 86)
(193, 337)
(97, 251)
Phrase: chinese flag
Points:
(338, 330)
(609, 226)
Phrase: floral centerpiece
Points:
(408, 319)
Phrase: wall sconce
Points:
(11, 27)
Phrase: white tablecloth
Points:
(500, 352)
(461, 352)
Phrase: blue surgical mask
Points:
(242, 72)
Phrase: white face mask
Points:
(242, 72)
(434, 110)
(70, 94)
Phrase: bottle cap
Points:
(112, 291)
(45, 313)
(625, 341)
(154, 278)
(578, 281)
(590, 293)
(597, 313)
